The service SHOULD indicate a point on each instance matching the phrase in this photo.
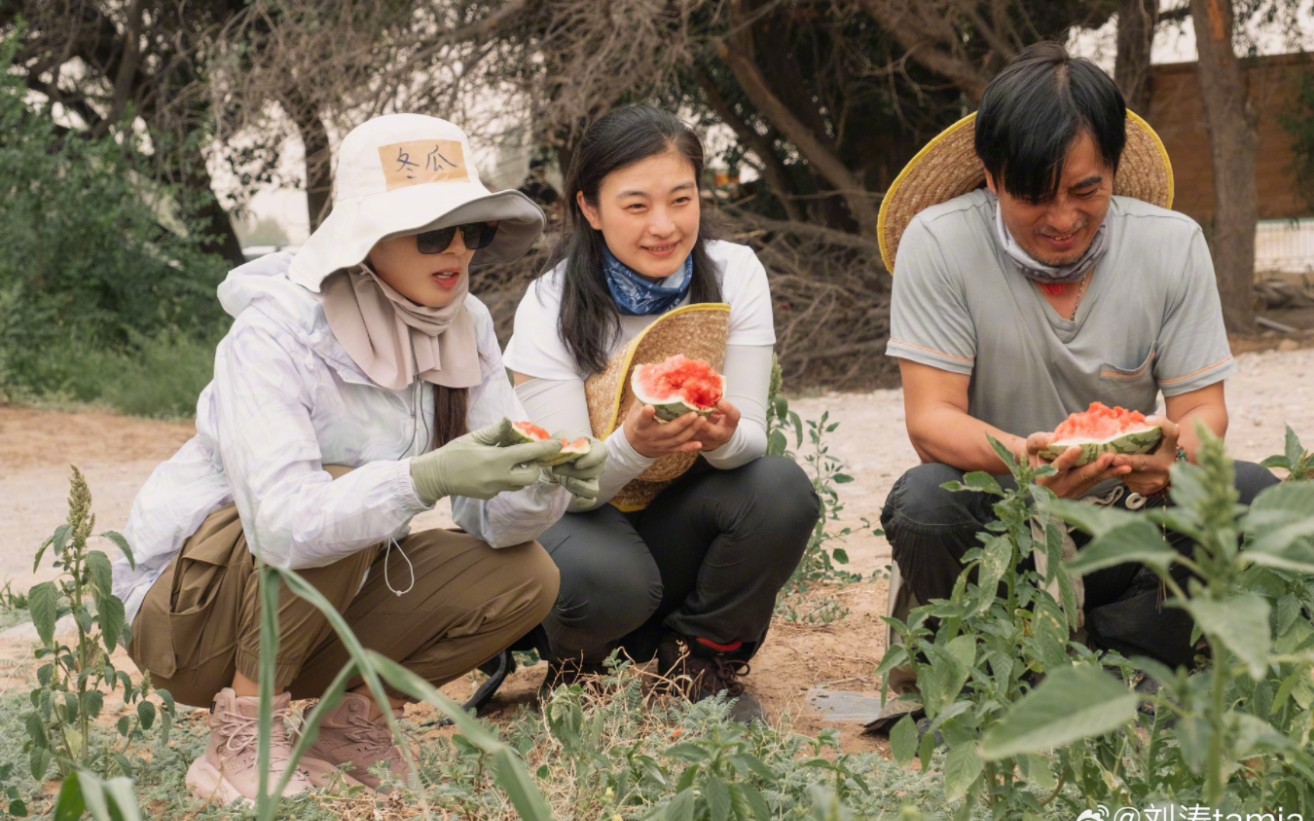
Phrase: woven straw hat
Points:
(698, 331)
(948, 167)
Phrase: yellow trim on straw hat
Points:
(948, 167)
(698, 331)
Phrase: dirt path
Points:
(117, 454)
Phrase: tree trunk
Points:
(1234, 140)
(1136, 24)
(317, 153)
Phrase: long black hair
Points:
(1033, 109)
(589, 320)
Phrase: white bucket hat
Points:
(401, 174)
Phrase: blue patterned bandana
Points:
(639, 296)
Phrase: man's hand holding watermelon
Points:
(1148, 473)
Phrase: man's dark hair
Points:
(1035, 107)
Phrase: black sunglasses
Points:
(476, 235)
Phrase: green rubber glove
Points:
(580, 477)
(474, 465)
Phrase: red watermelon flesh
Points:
(523, 433)
(677, 386)
(1101, 429)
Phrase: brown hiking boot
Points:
(698, 670)
(348, 735)
(227, 771)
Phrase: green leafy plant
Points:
(984, 648)
(14, 804)
(1035, 724)
(1295, 460)
(73, 679)
(374, 668)
(824, 556)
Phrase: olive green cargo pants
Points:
(200, 622)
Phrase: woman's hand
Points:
(719, 428)
(652, 437)
(580, 477)
(1148, 473)
(475, 465)
(1072, 481)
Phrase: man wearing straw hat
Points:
(1064, 280)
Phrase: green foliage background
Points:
(102, 299)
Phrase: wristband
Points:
(1162, 492)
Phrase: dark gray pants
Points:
(930, 528)
(705, 559)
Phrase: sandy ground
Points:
(116, 454)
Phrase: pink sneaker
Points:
(226, 771)
(348, 735)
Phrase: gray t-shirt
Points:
(1150, 321)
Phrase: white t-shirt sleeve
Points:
(536, 348)
(744, 286)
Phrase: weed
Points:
(1036, 724)
(824, 557)
(1295, 460)
(73, 680)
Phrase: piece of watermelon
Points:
(522, 433)
(1101, 429)
(677, 386)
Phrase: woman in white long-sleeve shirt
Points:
(358, 385)
(693, 576)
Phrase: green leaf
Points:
(692, 753)
(746, 764)
(996, 560)
(117, 538)
(112, 621)
(519, 787)
(1070, 704)
(681, 807)
(1136, 540)
(983, 482)
(962, 767)
(1086, 517)
(71, 803)
(146, 714)
(718, 799)
(99, 572)
(1241, 624)
(1293, 449)
(1194, 733)
(756, 802)
(43, 604)
(903, 740)
(841, 478)
(38, 761)
(93, 701)
(950, 668)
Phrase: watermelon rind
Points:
(523, 433)
(570, 451)
(1137, 441)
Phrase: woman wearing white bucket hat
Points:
(359, 384)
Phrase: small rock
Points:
(1288, 345)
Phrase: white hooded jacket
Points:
(287, 400)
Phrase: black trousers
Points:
(930, 528)
(706, 559)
